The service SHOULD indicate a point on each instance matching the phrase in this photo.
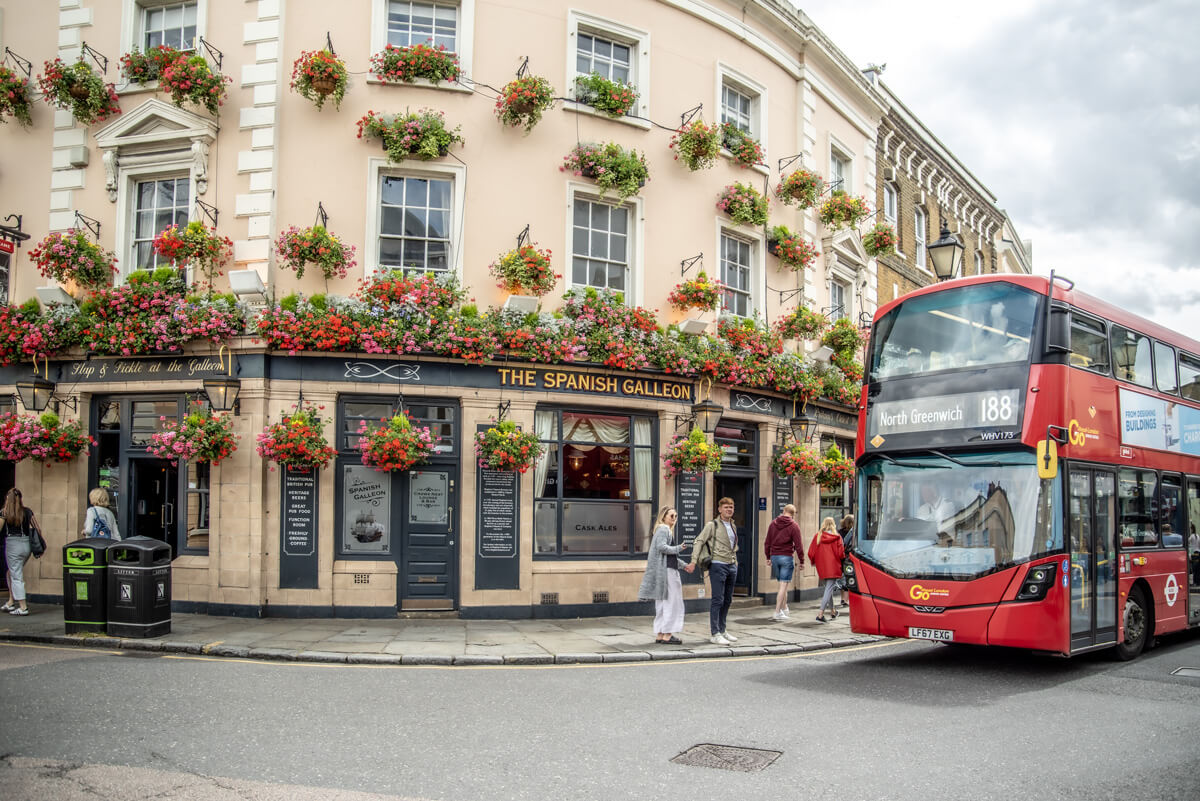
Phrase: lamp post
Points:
(946, 254)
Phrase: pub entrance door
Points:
(741, 490)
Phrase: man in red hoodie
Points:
(783, 540)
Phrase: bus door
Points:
(1193, 551)
(1091, 524)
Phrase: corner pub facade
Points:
(569, 536)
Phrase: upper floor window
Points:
(737, 270)
(1131, 356)
(415, 223)
(170, 24)
(161, 203)
(889, 203)
(839, 171)
(609, 58)
(919, 237)
(411, 23)
(737, 108)
(837, 299)
(599, 245)
(615, 52)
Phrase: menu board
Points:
(497, 529)
(298, 530)
(781, 487)
(689, 504)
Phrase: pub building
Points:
(566, 538)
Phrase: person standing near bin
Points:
(18, 523)
(100, 521)
(783, 540)
(662, 583)
(719, 538)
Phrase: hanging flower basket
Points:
(798, 460)
(196, 244)
(611, 166)
(505, 447)
(744, 204)
(71, 256)
(800, 188)
(835, 469)
(298, 247)
(407, 64)
(613, 98)
(525, 271)
(202, 436)
(700, 293)
(318, 75)
(745, 149)
(192, 80)
(522, 101)
(422, 135)
(143, 68)
(842, 210)
(802, 323)
(843, 337)
(692, 454)
(880, 240)
(15, 97)
(44, 439)
(297, 441)
(697, 145)
(793, 251)
(395, 446)
(78, 89)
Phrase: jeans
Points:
(721, 577)
(16, 554)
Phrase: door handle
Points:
(168, 514)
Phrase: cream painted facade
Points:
(270, 157)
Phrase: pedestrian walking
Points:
(100, 521)
(846, 532)
(718, 542)
(18, 525)
(783, 540)
(662, 583)
(826, 553)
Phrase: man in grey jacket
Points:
(719, 537)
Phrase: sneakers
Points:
(779, 617)
(719, 639)
(729, 636)
(19, 611)
(8, 607)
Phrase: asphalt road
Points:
(887, 721)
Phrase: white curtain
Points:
(596, 429)
(643, 460)
(543, 426)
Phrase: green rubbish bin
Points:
(139, 588)
(85, 580)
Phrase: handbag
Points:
(703, 556)
(37, 545)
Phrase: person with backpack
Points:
(100, 521)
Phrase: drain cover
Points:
(1187, 672)
(727, 757)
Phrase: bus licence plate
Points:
(941, 635)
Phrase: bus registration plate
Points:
(941, 635)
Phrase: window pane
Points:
(545, 527)
(1189, 377)
(1136, 499)
(1164, 368)
(595, 527)
(1131, 356)
(1089, 345)
(366, 510)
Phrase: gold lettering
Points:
(627, 386)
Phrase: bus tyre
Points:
(1137, 625)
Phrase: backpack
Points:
(100, 528)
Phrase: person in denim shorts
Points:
(783, 540)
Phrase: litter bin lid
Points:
(87, 552)
(138, 551)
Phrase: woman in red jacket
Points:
(826, 553)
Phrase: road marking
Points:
(75, 648)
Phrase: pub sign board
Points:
(298, 530)
(497, 528)
(689, 505)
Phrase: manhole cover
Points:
(727, 757)
(1187, 672)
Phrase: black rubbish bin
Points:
(85, 581)
(139, 588)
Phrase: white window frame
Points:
(377, 168)
(639, 43)
(728, 76)
(979, 262)
(465, 34)
(890, 193)
(847, 298)
(757, 264)
(920, 224)
(133, 12)
(634, 290)
(131, 239)
(842, 155)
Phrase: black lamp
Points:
(707, 414)
(803, 427)
(946, 254)
(222, 392)
(36, 393)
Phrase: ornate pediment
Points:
(158, 131)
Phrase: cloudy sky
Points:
(1083, 118)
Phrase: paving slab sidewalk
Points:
(454, 641)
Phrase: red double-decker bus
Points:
(1028, 471)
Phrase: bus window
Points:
(1131, 356)
(1170, 512)
(1164, 368)
(1089, 345)
(1137, 497)
(1189, 377)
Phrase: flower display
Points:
(394, 446)
(195, 244)
(78, 89)
(297, 441)
(146, 67)
(750, 335)
(843, 337)
(835, 469)
(801, 323)
(699, 293)
(842, 210)
(692, 454)
(505, 447)
(880, 240)
(745, 149)
(25, 333)
(407, 64)
(611, 166)
(71, 256)
(318, 75)
(744, 204)
(421, 135)
(522, 101)
(801, 187)
(15, 97)
(613, 98)
(794, 251)
(202, 436)
(525, 270)
(44, 439)
(298, 247)
(697, 145)
(798, 460)
(192, 80)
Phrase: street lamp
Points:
(707, 414)
(35, 393)
(222, 393)
(946, 254)
(803, 427)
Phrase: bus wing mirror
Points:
(1058, 329)
(1047, 458)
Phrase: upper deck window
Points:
(1089, 345)
(966, 327)
(1164, 368)
(1131, 356)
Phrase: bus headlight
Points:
(1038, 582)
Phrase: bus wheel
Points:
(1137, 624)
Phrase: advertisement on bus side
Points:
(1156, 423)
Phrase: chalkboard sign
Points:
(689, 504)
(298, 531)
(782, 489)
(497, 529)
